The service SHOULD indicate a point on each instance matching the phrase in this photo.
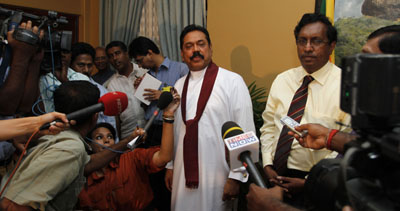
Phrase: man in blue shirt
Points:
(147, 55)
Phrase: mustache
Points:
(196, 53)
(307, 55)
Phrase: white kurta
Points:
(229, 101)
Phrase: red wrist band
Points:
(329, 140)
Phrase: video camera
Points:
(367, 177)
(53, 42)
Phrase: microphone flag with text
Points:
(164, 100)
(112, 104)
(243, 150)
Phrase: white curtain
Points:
(119, 20)
(173, 16)
(149, 22)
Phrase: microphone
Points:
(164, 100)
(243, 149)
(112, 104)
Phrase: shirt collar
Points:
(198, 74)
(166, 63)
(134, 71)
(320, 76)
(164, 66)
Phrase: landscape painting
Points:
(356, 19)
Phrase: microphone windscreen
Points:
(230, 129)
(164, 100)
(114, 103)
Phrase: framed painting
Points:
(356, 19)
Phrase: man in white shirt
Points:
(315, 39)
(210, 96)
(123, 81)
(82, 57)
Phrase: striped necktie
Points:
(296, 111)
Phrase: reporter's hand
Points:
(290, 185)
(259, 198)
(138, 132)
(231, 189)
(315, 137)
(26, 48)
(19, 142)
(57, 127)
(168, 178)
(174, 105)
(271, 174)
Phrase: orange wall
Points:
(255, 38)
(88, 11)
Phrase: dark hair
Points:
(71, 96)
(102, 124)
(191, 28)
(140, 46)
(384, 30)
(308, 18)
(116, 44)
(390, 41)
(81, 48)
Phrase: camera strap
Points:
(6, 55)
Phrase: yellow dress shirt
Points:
(323, 107)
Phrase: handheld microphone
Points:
(243, 150)
(112, 104)
(164, 100)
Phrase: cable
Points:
(36, 104)
(19, 161)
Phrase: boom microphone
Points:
(112, 104)
(164, 100)
(243, 149)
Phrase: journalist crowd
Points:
(57, 153)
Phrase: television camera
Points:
(366, 178)
(53, 42)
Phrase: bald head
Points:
(100, 59)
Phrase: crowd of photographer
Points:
(48, 162)
(54, 162)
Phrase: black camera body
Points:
(367, 176)
(53, 42)
(370, 90)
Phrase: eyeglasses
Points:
(313, 42)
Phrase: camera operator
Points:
(19, 89)
(383, 40)
(22, 80)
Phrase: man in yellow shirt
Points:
(308, 93)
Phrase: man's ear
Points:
(182, 56)
(332, 46)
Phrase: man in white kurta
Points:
(229, 101)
